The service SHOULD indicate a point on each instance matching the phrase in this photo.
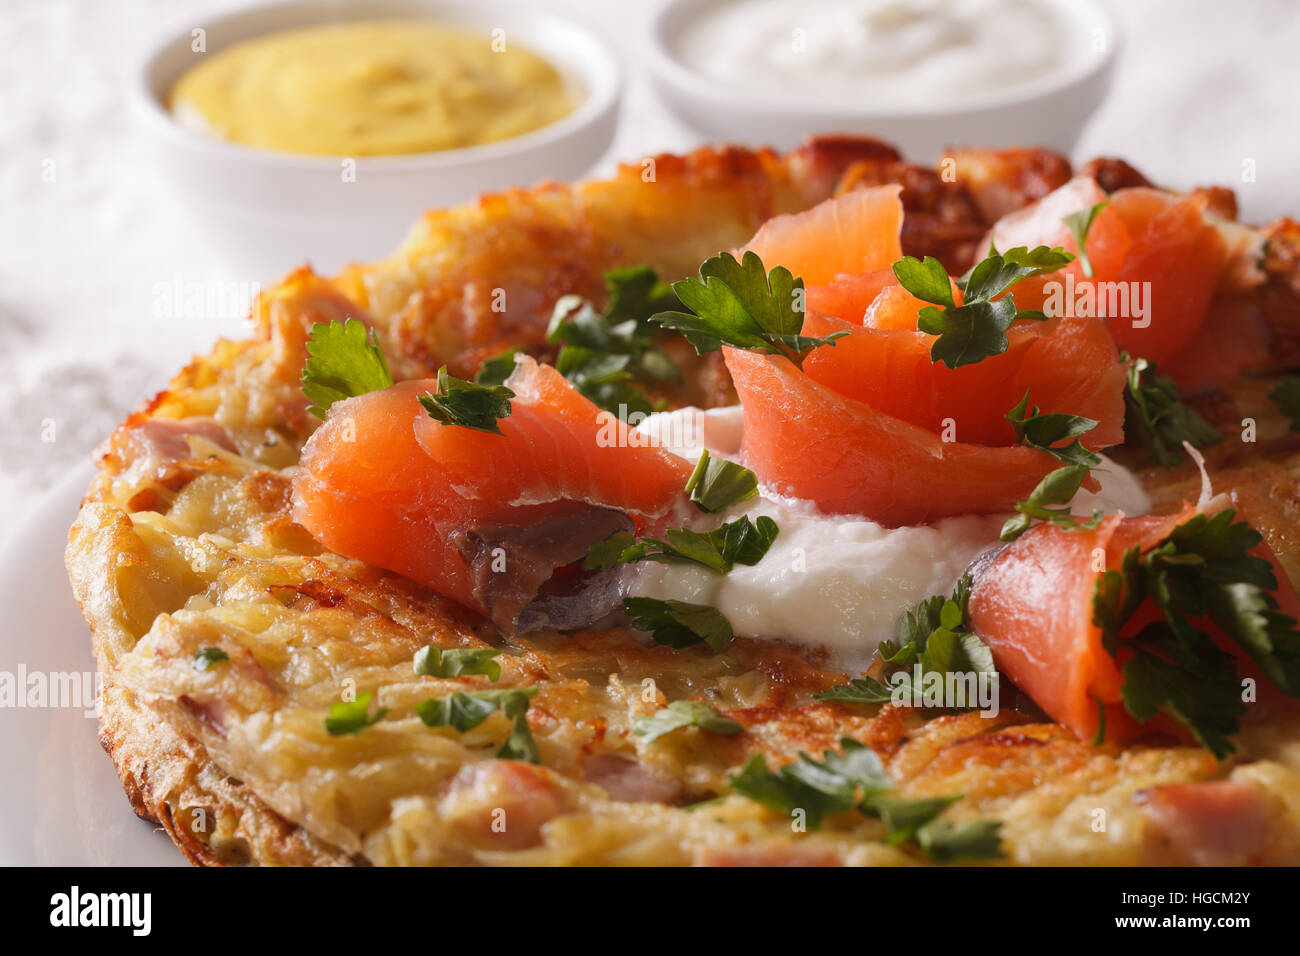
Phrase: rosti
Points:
(186, 541)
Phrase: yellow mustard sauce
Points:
(374, 88)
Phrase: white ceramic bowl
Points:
(1050, 113)
(266, 211)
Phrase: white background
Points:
(1203, 85)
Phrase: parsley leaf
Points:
(905, 817)
(352, 717)
(1286, 396)
(856, 778)
(736, 542)
(205, 658)
(716, 484)
(343, 361)
(1202, 570)
(946, 842)
(497, 369)
(608, 356)
(1079, 223)
(863, 690)
(743, 305)
(1045, 431)
(818, 789)
(465, 710)
(467, 404)
(976, 329)
(684, 713)
(932, 636)
(457, 661)
(679, 624)
(1155, 416)
(1057, 488)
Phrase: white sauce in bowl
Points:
(838, 581)
(883, 54)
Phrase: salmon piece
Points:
(1146, 239)
(806, 440)
(1068, 365)
(854, 233)
(383, 482)
(1031, 603)
(1233, 339)
(860, 429)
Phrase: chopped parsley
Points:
(1286, 396)
(934, 637)
(609, 356)
(856, 778)
(1155, 416)
(497, 369)
(736, 542)
(679, 624)
(1057, 488)
(205, 658)
(468, 404)
(741, 304)
(716, 484)
(465, 710)
(343, 361)
(1202, 571)
(976, 329)
(1044, 432)
(684, 713)
(1079, 223)
(352, 717)
(457, 661)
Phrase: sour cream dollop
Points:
(837, 581)
(883, 54)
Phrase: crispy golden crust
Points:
(186, 541)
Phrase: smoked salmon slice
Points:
(854, 233)
(484, 519)
(875, 426)
(1144, 243)
(1032, 603)
(806, 440)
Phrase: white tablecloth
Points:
(87, 240)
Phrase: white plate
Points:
(60, 800)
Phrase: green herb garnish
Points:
(465, 710)
(1079, 223)
(736, 542)
(1057, 488)
(716, 484)
(679, 624)
(856, 778)
(608, 356)
(1044, 432)
(497, 369)
(1158, 419)
(468, 404)
(743, 305)
(1286, 396)
(1202, 570)
(934, 636)
(457, 661)
(209, 656)
(684, 713)
(946, 842)
(976, 329)
(352, 717)
(343, 361)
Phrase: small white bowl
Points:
(1051, 113)
(265, 212)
